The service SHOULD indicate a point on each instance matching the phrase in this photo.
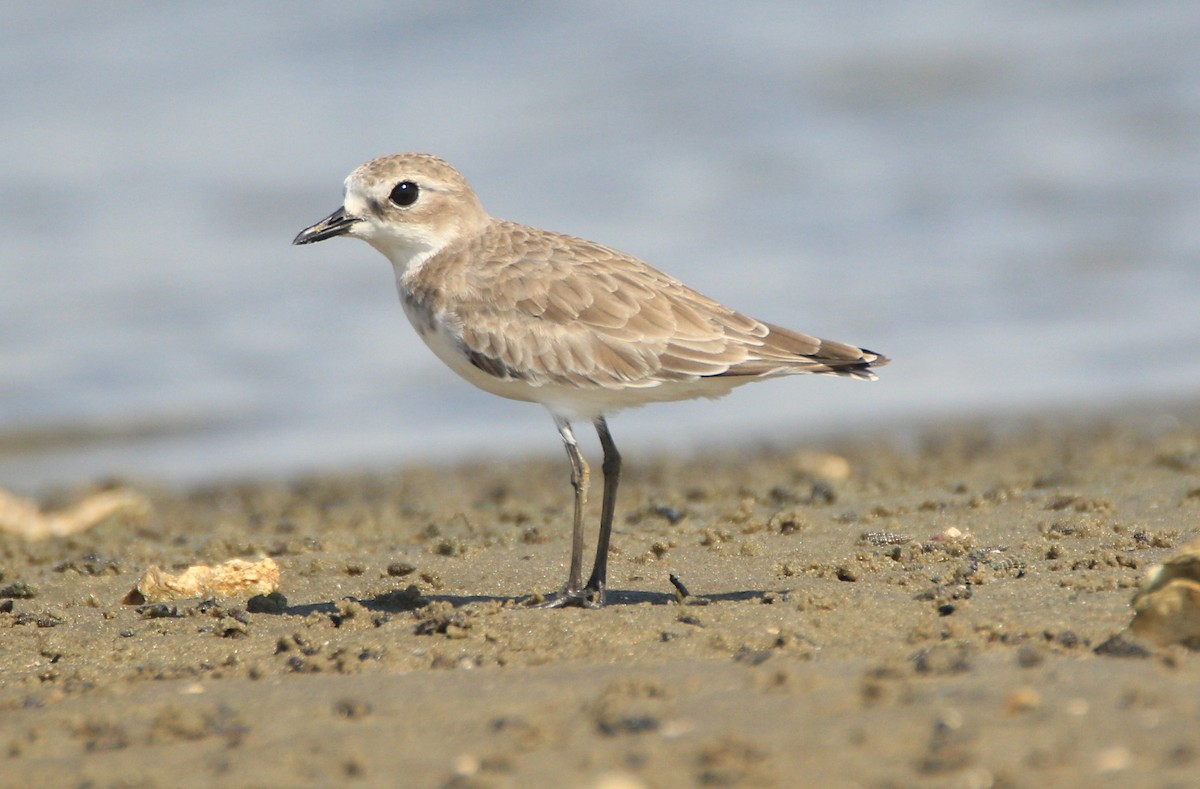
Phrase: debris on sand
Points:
(1167, 606)
(824, 465)
(233, 578)
(25, 517)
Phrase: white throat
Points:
(406, 258)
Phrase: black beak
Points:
(336, 224)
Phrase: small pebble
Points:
(400, 569)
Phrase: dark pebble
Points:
(400, 569)
(20, 590)
(273, 603)
(1119, 646)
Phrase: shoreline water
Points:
(44, 458)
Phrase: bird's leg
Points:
(612, 477)
(574, 593)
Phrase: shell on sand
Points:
(233, 578)
(1167, 606)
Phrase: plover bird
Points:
(547, 318)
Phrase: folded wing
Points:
(597, 317)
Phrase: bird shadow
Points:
(403, 601)
(613, 597)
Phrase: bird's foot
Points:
(587, 597)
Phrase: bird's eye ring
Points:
(404, 194)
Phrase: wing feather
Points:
(548, 309)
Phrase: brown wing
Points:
(573, 312)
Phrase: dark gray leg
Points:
(612, 477)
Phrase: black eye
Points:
(404, 194)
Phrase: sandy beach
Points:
(942, 607)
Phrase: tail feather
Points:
(785, 352)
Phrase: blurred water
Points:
(1002, 196)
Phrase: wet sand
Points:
(940, 609)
